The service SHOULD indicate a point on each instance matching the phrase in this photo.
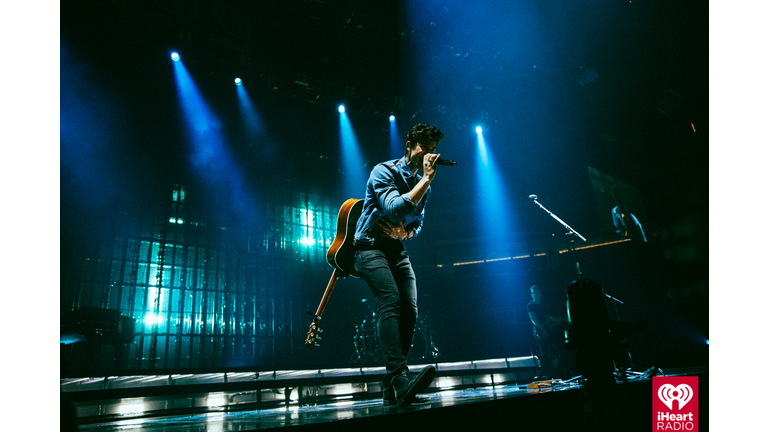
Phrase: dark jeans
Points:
(547, 356)
(388, 273)
(550, 352)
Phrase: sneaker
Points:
(407, 385)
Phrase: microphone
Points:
(441, 161)
(533, 197)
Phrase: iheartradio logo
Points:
(669, 393)
(680, 416)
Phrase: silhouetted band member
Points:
(545, 331)
(626, 223)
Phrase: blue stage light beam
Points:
(202, 126)
(252, 122)
(481, 149)
(493, 204)
(96, 137)
(355, 175)
(396, 143)
(209, 155)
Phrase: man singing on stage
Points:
(393, 211)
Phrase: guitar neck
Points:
(328, 291)
(314, 329)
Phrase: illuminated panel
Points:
(446, 382)
(215, 400)
(131, 406)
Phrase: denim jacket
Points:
(385, 198)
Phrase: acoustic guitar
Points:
(340, 256)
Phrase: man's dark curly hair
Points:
(423, 133)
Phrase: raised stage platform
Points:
(472, 395)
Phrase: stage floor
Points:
(554, 405)
(471, 395)
(320, 415)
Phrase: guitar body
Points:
(341, 256)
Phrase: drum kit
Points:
(366, 346)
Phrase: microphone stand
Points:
(570, 232)
(616, 302)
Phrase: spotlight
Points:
(341, 108)
(151, 319)
(392, 118)
(238, 81)
(306, 241)
(175, 56)
(479, 130)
